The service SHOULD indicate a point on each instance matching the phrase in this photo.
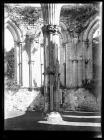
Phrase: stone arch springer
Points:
(94, 24)
(15, 31)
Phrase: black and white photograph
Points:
(53, 67)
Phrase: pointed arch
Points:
(88, 50)
(90, 27)
(15, 31)
(17, 36)
(64, 32)
(63, 26)
(92, 31)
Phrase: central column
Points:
(51, 30)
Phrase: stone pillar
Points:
(41, 65)
(28, 44)
(65, 45)
(88, 61)
(80, 71)
(16, 64)
(20, 64)
(30, 64)
(83, 62)
(51, 16)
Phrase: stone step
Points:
(75, 124)
(75, 119)
(78, 113)
(86, 117)
(74, 116)
(79, 120)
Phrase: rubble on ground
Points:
(20, 100)
(80, 99)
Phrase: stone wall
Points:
(80, 99)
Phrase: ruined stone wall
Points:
(75, 72)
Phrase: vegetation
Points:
(27, 15)
(11, 85)
(10, 63)
(79, 17)
(80, 99)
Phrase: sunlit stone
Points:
(8, 40)
(54, 117)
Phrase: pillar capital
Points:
(29, 38)
(51, 29)
(87, 42)
(18, 43)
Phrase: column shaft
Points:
(20, 64)
(51, 14)
(15, 56)
(30, 70)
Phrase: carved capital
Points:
(51, 29)
(18, 44)
(30, 38)
(75, 60)
(88, 60)
(87, 42)
(53, 70)
(50, 70)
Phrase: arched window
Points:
(92, 52)
(14, 33)
(9, 54)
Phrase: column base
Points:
(54, 117)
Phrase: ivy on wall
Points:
(30, 14)
(10, 63)
(78, 17)
(27, 15)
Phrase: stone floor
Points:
(75, 121)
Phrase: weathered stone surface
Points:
(54, 117)
(80, 99)
(37, 104)
(20, 100)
